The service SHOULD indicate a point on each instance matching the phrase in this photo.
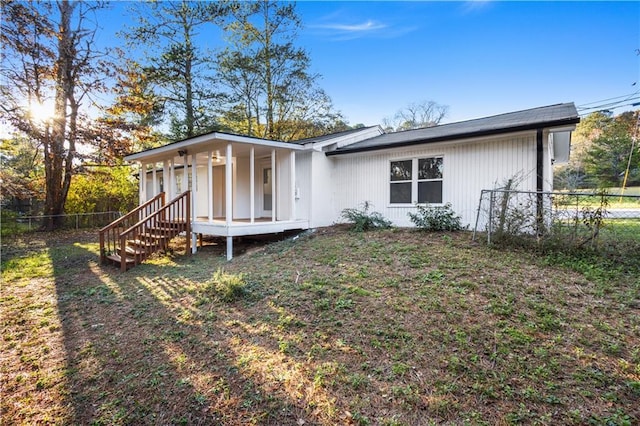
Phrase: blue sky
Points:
(479, 58)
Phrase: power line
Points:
(609, 99)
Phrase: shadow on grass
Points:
(135, 355)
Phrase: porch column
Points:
(210, 186)
(292, 176)
(274, 198)
(194, 187)
(252, 183)
(155, 179)
(143, 183)
(172, 179)
(229, 207)
(185, 173)
(166, 179)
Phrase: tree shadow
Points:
(135, 354)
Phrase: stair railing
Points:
(156, 229)
(110, 234)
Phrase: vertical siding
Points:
(303, 184)
(324, 187)
(468, 168)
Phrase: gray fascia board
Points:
(457, 136)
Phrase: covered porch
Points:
(240, 186)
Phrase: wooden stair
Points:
(145, 230)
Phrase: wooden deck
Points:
(242, 227)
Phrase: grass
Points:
(389, 327)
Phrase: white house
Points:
(249, 186)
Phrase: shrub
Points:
(227, 287)
(363, 220)
(436, 218)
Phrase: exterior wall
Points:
(303, 185)
(468, 168)
(325, 185)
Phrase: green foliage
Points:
(436, 218)
(227, 287)
(607, 157)
(363, 220)
(105, 189)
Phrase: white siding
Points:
(324, 186)
(303, 184)
(469, 167)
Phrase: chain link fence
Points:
(15, 223)
(594, 220)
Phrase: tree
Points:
(175, 69)
(416, 116)
(49, 56)
(607, 157)
(270, 87)
(136, 110)
(21, 172)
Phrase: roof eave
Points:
(212, 137)
(459, 136)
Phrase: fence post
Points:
(489, 227)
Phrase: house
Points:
(248, 186)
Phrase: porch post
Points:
(155, 179)
(228, 198)
(292, 176)
(185, 173)
(172, 182)
(194, 187)
(166, 179)
(274, 198)
(252, 183)
(143, 183)
(210, 186)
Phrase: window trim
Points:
(414, 180)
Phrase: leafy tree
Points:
(175, 69)
(21, 171)
(416, 116)
(136, 110)
(49, 56)
(103, 189)
(268, 77)
(608, 155)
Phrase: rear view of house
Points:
(249, 186)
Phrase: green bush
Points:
(227, 287)
(436, 218)
(363, 220)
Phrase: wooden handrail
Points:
(110, 244)
(157, 212)
(121, 219)
(179, 207)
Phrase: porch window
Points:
(418, 180)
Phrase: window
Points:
(418, 180)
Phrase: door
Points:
(267, 191)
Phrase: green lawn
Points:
(392, 327)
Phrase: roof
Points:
(530, 119)
(205, 140)
(323, 138)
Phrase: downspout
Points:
(539, 182)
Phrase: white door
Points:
(267, 189)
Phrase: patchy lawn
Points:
(383, 328)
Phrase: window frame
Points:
(415, 180)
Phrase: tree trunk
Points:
(55, 167)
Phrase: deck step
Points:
(117, 259)
(132, 251)
(142, 243)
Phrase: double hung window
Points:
(417, 180)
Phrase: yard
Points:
(391, 327)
